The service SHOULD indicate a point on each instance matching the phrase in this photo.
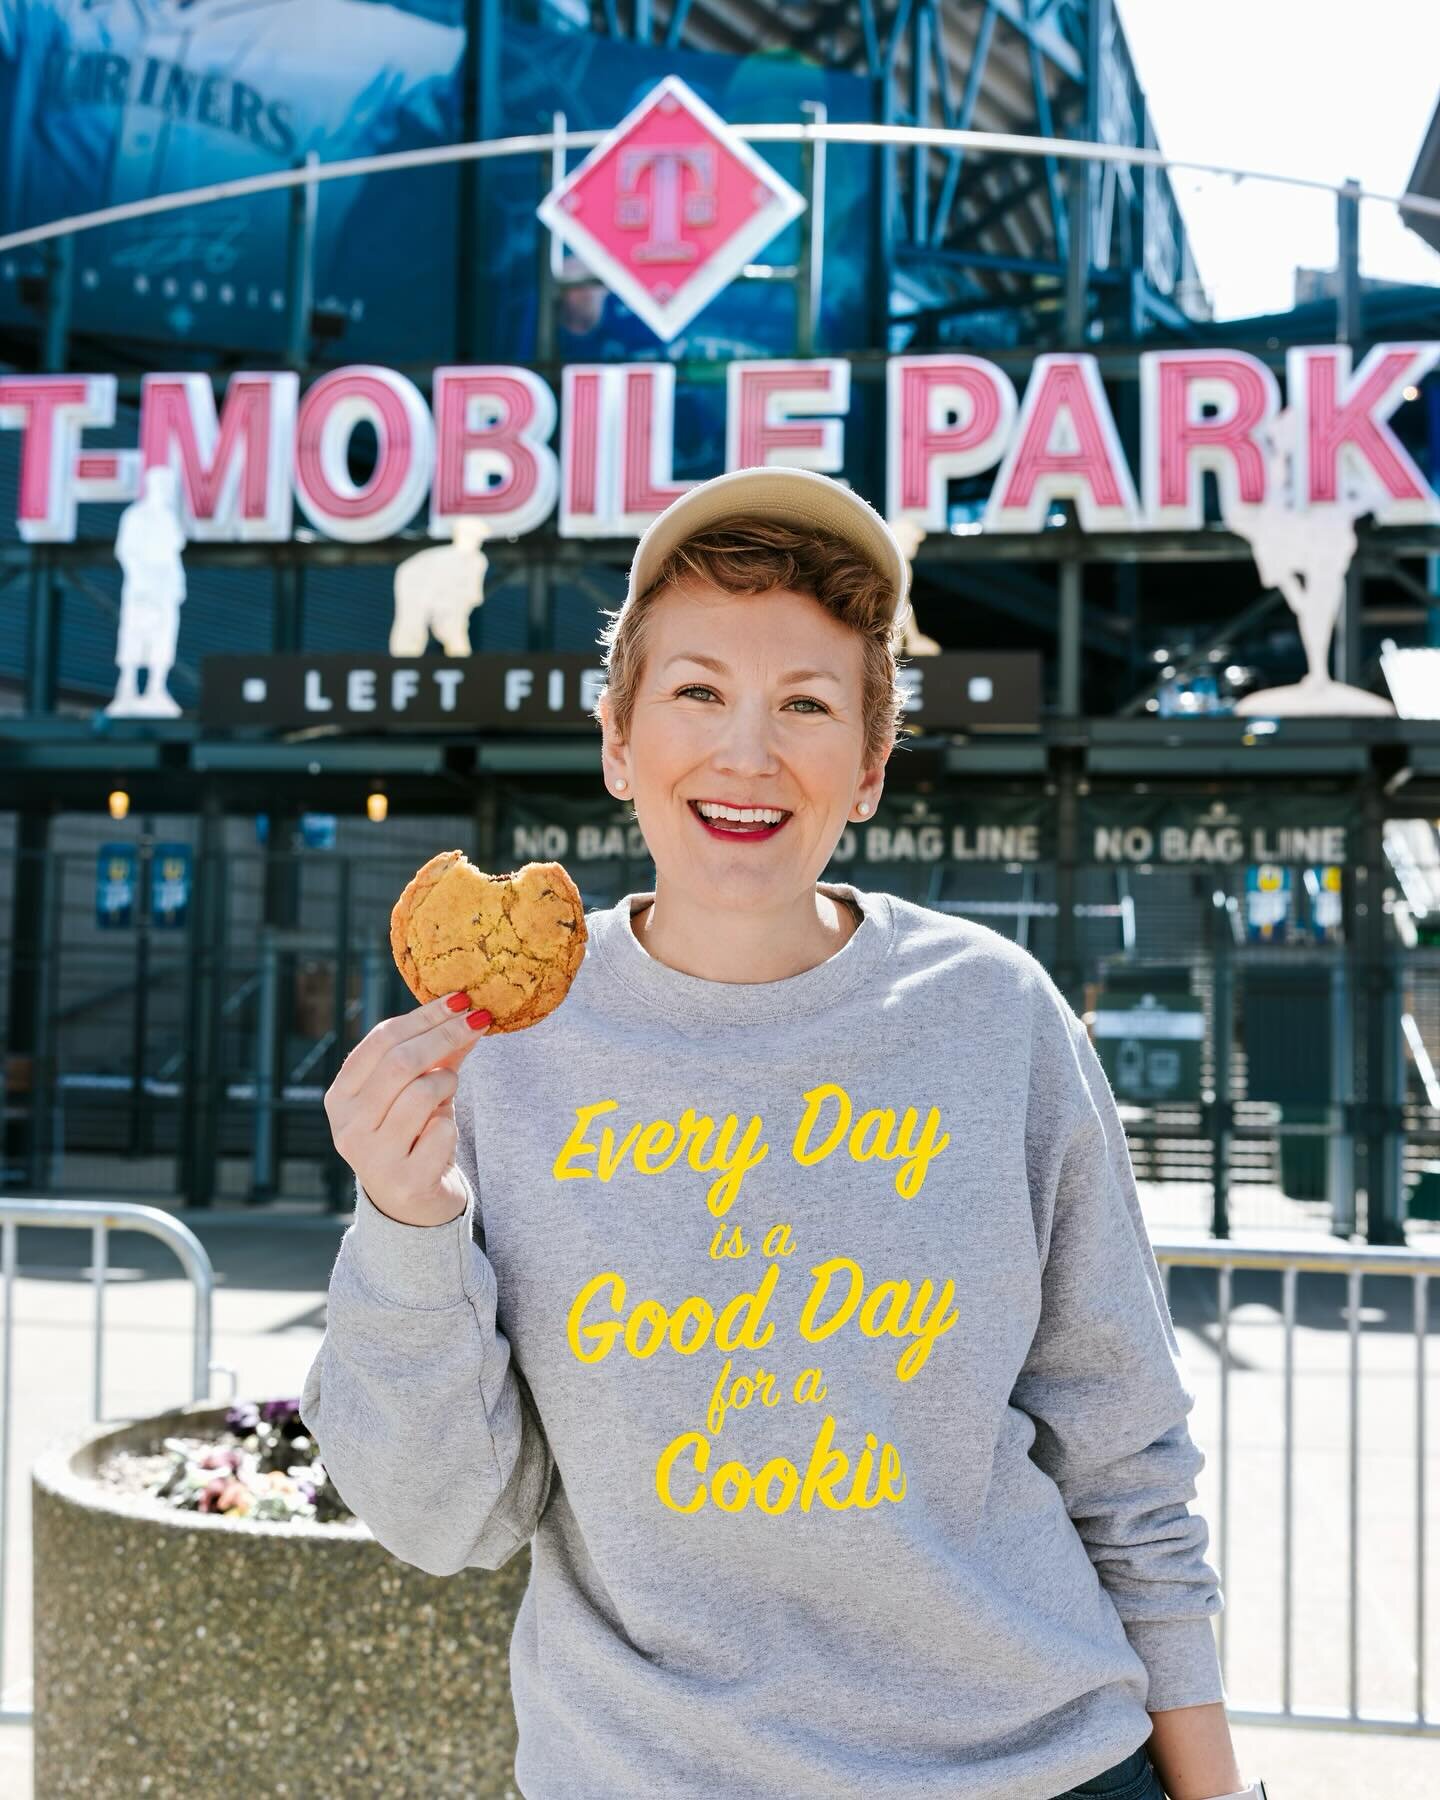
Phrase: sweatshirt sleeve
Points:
(1103, 1379)
(422, 1419)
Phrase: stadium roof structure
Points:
(977, 245)
(1425, 179)
(1402, 311)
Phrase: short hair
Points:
(745, 555)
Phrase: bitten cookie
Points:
(512, 942)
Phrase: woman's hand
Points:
(392, 1115)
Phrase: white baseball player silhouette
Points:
(1306, 555)
(147, 547)
(436, 590)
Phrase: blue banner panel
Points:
(171, 878)
(109, 103)
(114, 886)
(106, 103)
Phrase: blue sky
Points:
(1332, 89)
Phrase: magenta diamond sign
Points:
(669, 207)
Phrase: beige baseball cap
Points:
(798, 496)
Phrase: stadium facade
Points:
(1011, 354)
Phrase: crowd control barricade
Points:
(1341, 1567)
(100, 1219)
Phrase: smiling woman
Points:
(751, 706)
(801, 1309)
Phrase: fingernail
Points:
(477, 1021)
(458, 1002)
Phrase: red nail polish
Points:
(458, 1002)
(477, 1021)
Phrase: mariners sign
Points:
(495, 442)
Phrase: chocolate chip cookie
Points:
(513, 942)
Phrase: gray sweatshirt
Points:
(811, 1331)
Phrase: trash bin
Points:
(1289, 1059)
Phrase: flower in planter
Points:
(237, 1498)
(265, 1466)
(278, 1496)
(228, 1495)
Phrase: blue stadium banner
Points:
(101, 104)
(317, 830)
(1323, 889)
(171, 870)
(1269, 896)
(115, 886)
(109, 103)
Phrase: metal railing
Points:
(818, 131)
(1225, 1258)
(1290, 1261)
(100, 1218)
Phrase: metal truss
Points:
(975, 240)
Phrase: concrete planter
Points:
(180, 1654)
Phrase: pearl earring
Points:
(864, 806)
(620, 781)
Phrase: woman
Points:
(787, 1284)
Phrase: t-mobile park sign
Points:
(492, 442)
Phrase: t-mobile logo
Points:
(668, 207)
